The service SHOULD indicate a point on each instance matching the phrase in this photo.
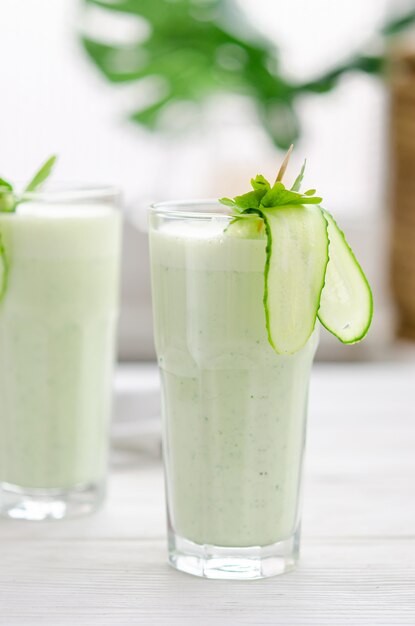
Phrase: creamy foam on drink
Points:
(234, 409)
(57, 320)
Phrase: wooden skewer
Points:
(284, 164)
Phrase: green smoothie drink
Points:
(57, 332)
(235, 335)
(235, 410)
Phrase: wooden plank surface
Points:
(358, 548)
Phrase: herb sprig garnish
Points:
(310, 270)
(266, 196)
(10, 200)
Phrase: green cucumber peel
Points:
(306, 288)
(9, 201)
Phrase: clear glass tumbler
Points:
(234, 412)
(58, 318)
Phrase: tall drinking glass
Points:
(234, 412)
(57, 336)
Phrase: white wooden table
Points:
(358, 549)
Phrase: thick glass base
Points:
(49, 504)
(233, 563)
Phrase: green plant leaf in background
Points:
(200, 48)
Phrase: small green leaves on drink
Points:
(297, 183)
(41, 175)
(265, 196)
(227, 202)
(310, 270)
(9, 201)
(4, 184)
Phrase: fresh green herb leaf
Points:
(7, 200)
(280, 196)
(250, 200)
(8, 203)
(265, 196)
(41, 175)
(259, 183)
(4, 184)
(299, 179)
(10, 200)
(312, 199)
(227, 202)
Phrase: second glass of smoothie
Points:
(57, 339)
(234, 412)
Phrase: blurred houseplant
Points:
(197, 48)
(191, 50)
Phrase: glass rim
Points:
(192, 209)
(72, 192)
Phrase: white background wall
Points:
(53, 100)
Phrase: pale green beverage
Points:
(234, 411)
(57, 337)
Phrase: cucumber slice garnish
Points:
(310, 270)
(296, 261)
(346, 307)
